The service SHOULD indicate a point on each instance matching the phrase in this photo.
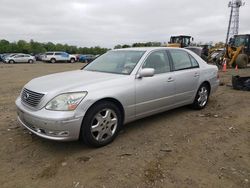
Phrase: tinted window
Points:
(181, 59)
(159, 61)
(58, 53)
(64, 54)
(26, 55)
(49, 53)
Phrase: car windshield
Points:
(117, 62)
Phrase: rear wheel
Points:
(201, 97)
(101, 124)
(242, 61)
(53, 60)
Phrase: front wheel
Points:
(101, 124)
(242, 60)
(201, 97)
(11, 61)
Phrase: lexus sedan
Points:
(116, 88)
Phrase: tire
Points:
(53, 60)
(242, 61)
(30, 61)
(98, 130)
(72, 60)
(11, 61)
(201, 98)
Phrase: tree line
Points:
(33, 47)
(140, 44)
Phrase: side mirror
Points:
(146, 72)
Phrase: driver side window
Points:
(159, 61)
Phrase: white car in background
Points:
(20, 58)
(54, 57)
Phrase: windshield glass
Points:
(117, 62)
(241, 41)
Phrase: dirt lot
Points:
(179, 148)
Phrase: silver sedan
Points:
(20, 58)
(116, 88)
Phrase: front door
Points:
(154, 94)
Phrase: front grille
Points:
(31, 98)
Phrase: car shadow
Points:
(150, 120)
(74, 147)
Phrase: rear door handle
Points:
(170, 79)
(196, 74)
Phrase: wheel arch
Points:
(11, 60)
(113, 100)
(208, 84)
(106, 99)
(52, 58)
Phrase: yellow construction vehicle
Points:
(238, 51)
(180, 41)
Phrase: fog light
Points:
(63, 133)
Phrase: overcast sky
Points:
(110, 22)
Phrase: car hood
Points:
(68, 81)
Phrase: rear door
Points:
(26, 58)
(186, 73)
(154, 94)
(59, 56)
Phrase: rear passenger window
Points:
(58, 53)
(49, 53)
(159, 61)
(195, 64)
(181, 59)
(17, 56)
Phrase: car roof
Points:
(148, 49)
(55, 52)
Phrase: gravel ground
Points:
(178, 148)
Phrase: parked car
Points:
(19, 58)
(54, 57)
(116, 88)
(39, 57)
(195, 49)
(216, 57)
(5, 55)
(87, 58)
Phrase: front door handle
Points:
(170, 79)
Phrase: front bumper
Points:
(53, 125)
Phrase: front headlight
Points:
(66, 101)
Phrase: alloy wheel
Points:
(104, 125)
(203, 96)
